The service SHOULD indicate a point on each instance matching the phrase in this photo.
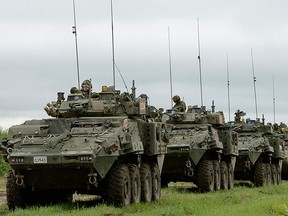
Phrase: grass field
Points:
(179, 199)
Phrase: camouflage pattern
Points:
(179, 105)
(261, 151)
(86, 90)
(92, 146)
(200, 148)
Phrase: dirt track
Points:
(2, 197)
(2, 193)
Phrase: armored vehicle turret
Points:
(109, 145)
(260, 152)
(202, 149)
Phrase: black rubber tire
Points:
(156, 182)
(135, 183)
(259, 176)
(224, 175)
(279, 177)
(146, 183)
(217, 175)
(268, 174)
(206, 176)
(273, 174)
(230, 175)
(119, 186)
(14, 193)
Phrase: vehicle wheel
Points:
(135, 183)
(146, 183)
(259, 176)
(273, 174)
(119, 186)
(279, 177)
(156, 182)
(217, 176)
(268, 174)
(230, 175)
(224, 175)
(14, 192)
(206, 176)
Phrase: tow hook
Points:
(19, 180)
(92, 179)
(247, 164)
(189, 171)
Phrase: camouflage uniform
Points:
(84, 90)
(179, 105)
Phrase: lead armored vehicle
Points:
(202, 149)
(261, 152)
(108, 146)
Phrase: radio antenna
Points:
(170, 67)
(121, 77)
(228, 88)
(74, 31)
(199, 59)
(254, 82)
(273, 99)
(113, 52)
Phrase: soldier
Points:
(179, 105)
(86, 88)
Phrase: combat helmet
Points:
(86, 82)
(176, 98)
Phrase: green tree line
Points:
(4, 167)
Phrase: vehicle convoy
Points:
(261, 152)
(108, 146)
(202, 149)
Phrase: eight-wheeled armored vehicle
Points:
(202, 149)
(108, 146)
(260, 152)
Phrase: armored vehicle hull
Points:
(260, 154)
(200, 152)
(116, 156)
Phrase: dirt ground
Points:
(2, 197)
(2, 193)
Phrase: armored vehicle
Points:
(260, 152)
(108, 146)
(202, 149)
(281, 131)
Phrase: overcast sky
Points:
(37, 52)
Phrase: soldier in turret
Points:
(86, 89)
(179, 105)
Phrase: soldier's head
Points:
(73, 90)
(86, 85)
(176, 98)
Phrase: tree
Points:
(4, 167)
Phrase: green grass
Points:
(242, 200)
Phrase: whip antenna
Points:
(121, 77)
(254, 82)
(74, 31)
(113, 55)
(199, 59)
(170, 67)
(228, 88)
(273, 99)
